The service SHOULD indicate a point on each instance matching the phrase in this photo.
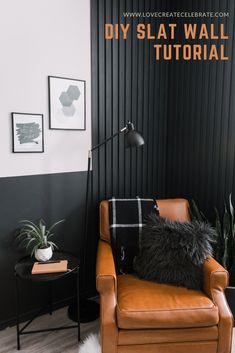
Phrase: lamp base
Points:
(89, 311)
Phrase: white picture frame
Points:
(67, 103)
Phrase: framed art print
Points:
(27, 132)
(67, 103)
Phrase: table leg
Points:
(50, 298)
(17, 313)
(78, 305)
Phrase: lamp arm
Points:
(108, 139)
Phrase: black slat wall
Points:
(184, 109)
(127, 84)
(201, 119)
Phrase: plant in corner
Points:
(225, 243)
(225, 240)
(37, 237)
(225, 251)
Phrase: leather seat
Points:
(147, 305)
(139, 316)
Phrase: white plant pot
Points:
(43, 254)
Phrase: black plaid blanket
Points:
(126, 220)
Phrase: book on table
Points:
(49, 267)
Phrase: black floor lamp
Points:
(89, 311)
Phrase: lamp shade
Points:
(132, 137)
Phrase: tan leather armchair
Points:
(144, 317)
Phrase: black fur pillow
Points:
(173, 252)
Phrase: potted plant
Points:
(37, 236)
(225, 243)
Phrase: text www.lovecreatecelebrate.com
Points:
(175, 14)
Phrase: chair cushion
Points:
(142, 304)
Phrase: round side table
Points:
(23, 270)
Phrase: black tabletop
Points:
(24, 266)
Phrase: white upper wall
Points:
(41, 38)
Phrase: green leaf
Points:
(27, 223)
(227, 232)
(34, 231)
(34, 249)
(194, 211)
(50, 235)
(218, 227)
(55, 224)
(226, 221)
(42, 227)
(231, 208)
(53, 245)
(30, 241)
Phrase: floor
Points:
(50, 342)
(47, 342)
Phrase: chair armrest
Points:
(106, 284)
(215, 282)
(215, 277)
(105, 268)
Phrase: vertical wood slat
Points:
(122, 102)
(128, 97)
(108, 105)
(115, 107)
(102, 101)
(145, 107)
(95, 91)
(230, 156)
(134, 94)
